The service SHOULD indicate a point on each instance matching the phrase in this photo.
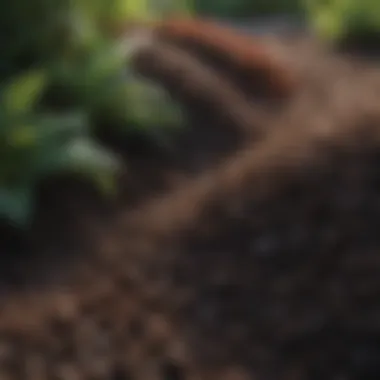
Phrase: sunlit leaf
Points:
(24, 136)
(24, 92)
(333, 19)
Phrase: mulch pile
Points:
(249, 251)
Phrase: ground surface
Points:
(252, 256)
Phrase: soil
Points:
(250, 251)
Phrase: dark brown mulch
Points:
(259, 262)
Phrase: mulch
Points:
(249, 251)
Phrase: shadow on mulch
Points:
(40, 251)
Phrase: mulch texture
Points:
(249, 251)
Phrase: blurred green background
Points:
(245, 8)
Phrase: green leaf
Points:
(92, 160)
(124, 9)
(149, 105)
(86, 153)
(22, 137)
(22, 95)
(335, 19)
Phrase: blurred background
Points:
(243, 9)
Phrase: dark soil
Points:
(253, 253)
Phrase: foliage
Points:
(60, 69)
(330, 19)
(333, 19)
(245, 8)
(33, 145)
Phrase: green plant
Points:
(334, 19)
(62, 47)
(34, 145)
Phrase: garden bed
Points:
(250, 251)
